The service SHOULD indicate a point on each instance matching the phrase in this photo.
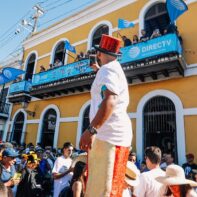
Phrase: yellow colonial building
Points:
(52, 106)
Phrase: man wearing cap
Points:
(189, 166)
(7, 169)
(109, 135)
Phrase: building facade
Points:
(52, 107)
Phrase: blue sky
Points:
(13, 11)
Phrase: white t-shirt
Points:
(61, 165)
(148, 186)
(117, 129)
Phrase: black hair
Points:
(67, 145)
(183, 190)
(154, 154)
(78, 171)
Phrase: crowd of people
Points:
(34, 171)
(171, 28)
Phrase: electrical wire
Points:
(75, 9)
(54, 7)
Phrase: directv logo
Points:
(134, 52)
(178, 4)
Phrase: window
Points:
(30, 67)
(18, 128)
(86, 120)
(103, 29)
(48, 128)
(160, 125)
(59, 52)
(156, 18)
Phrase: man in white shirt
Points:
(109, 135)
(148, 186)
(62, 169)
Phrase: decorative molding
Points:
(94, 28)
(190, 111)
(27, 59)
(91, 13)
(24, 124)
(190, 1)
(191, 70)
(36, 121)
(179, 123)
(80, 42)
(56, 126)
(80, 122)
(69, 119)
(54, 48)
(43, 56)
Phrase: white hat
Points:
(175, 176)
(132, 174)
(81, 157)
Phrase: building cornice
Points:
(85, 16)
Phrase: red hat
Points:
(190, 155)
(109, 45)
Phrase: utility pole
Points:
(39, 12)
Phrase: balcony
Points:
(19, 92)
(153, 59)
(4, 109)
(67, 79)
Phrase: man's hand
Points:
(86, 141)
(95, 67)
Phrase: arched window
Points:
(18, 128)
(156, 18)
(160, 125)
(102, 29)
(86, 120)
(48, 128)
(30, 67)
(59, 52)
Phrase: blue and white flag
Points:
(69, 47)
(122, 24)
(175, 8)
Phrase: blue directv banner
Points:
(157, 46)
(62, 72)
(22, 86)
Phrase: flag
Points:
(124, 24)
(175, 8)
(69, 47)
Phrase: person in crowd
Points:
(148, 186)
(163, 163)
(195, 178)
(31, 181)
(175, 183)
(3, 190)
(189, 165)
(143, 167)
(109, 135)
(42, 68)
(144, 36)
(165, 31)
(61, 171)
(80, 56)
(7, 169)
(135, 39)
(156, 33)
(133, 159)
(169, 159)
(127, 41)
(131, 179)
(79, 179)
(50, 66)
(57, 63)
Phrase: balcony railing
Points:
(155, 47)
(4, 108)
(20, 87)
(61, 73)
(19, 92)
(141, 61)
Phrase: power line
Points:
(75, 9)
(52, 8)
